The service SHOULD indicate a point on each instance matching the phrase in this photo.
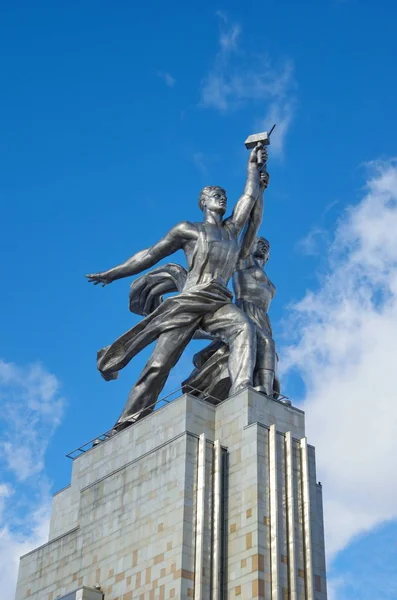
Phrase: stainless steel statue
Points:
(212, 250)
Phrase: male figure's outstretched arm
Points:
(245, 204)
(174, 240)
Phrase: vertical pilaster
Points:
(290, 480)
(274, 516)
(307, 526)
(217, 522)
(200, 518)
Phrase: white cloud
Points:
(335, 586)
(16, 542)
(345, 351)
(5, 492)
(31, 410)
(281, 112)
(239, 78)
(168, 79)
(31, 531)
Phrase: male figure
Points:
(212, 249)
(254, 292)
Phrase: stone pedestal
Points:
(194, 501)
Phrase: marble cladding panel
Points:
(65, 506)
(267, 411)
(130, 536)
(242, 514)
(249, 407)
(130, 444)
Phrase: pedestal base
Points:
(194, 501)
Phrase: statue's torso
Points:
(251, 284)
(214, 255)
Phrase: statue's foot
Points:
(263, 390)
(109, 434)
(121, 425)
(116, 429)
(265, 382)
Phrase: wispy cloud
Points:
(199, 161)
(345, 351)
(335, 585)
(228, 38)
(314, 241)
(239, 78)
(222, 15)
(168, 79)
(31, 410)
(281, 112)
(19, 535)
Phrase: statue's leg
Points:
(231, 325)
(265, 367)
(151, 381)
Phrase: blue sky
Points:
(113, 117)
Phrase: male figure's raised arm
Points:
(245, 204)
(145, 259)
(255, 219)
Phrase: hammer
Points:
(256, 138)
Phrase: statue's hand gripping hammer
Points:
(259, 138)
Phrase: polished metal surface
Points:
(254, 292)
(200, 518)
(274, 515)
(217, 520)
(204, 304)
(291, 494)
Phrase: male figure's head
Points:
(213, 199)
(261, 250)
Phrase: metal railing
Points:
(187, 389)
(158, 404)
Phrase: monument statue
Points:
(212, 249)
(249, 456)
